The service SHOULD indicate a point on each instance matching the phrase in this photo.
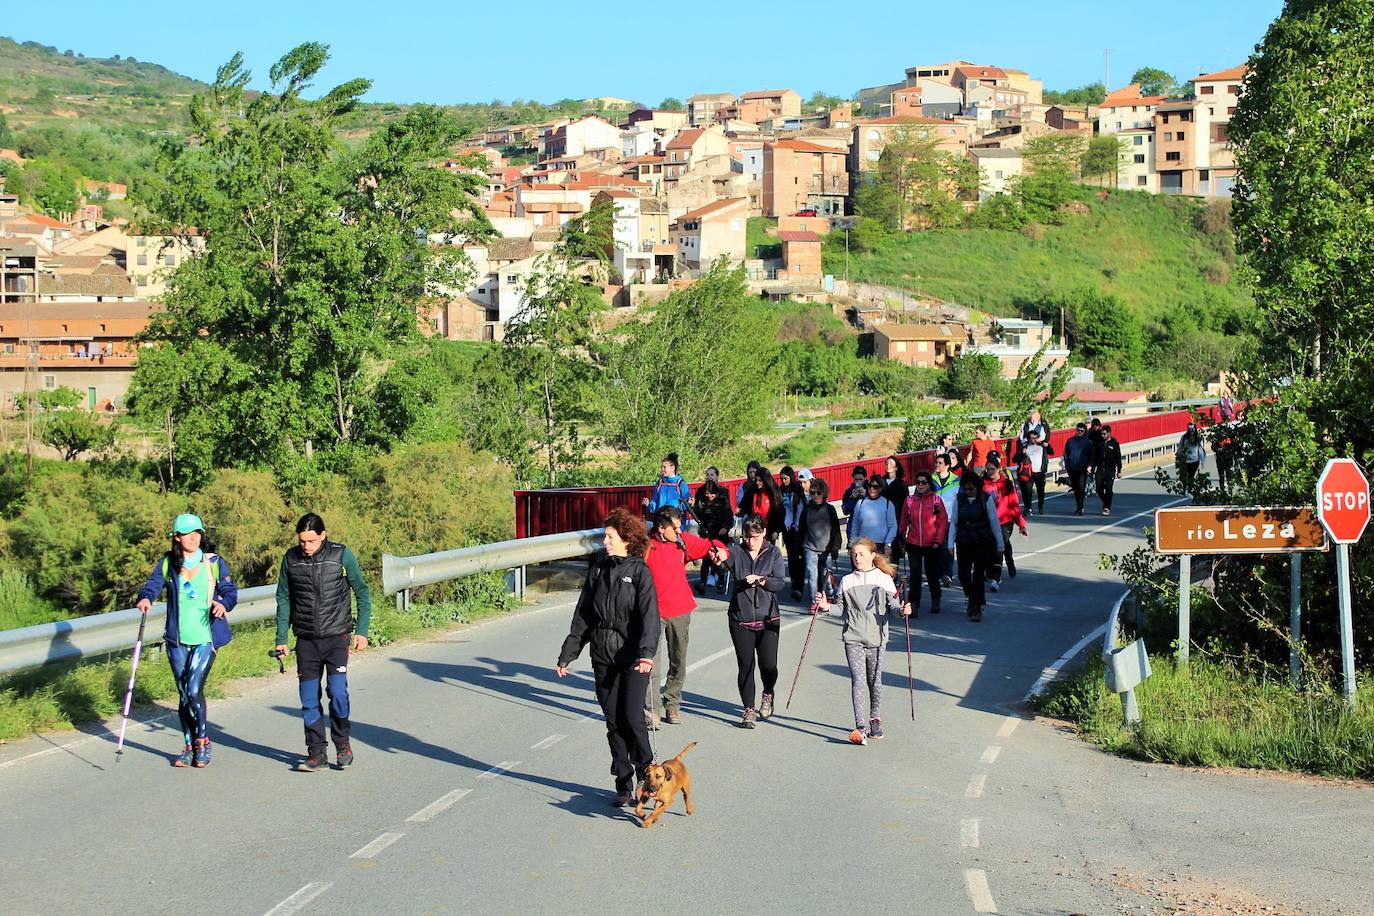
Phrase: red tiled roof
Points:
(977, 72)
(805, 146)
(620, 193)
(765, 94)
(686, 138)
(1233, 73)
(1130, 95)
(713, 207)
(904, 119)
(789, 235)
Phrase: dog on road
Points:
(661, 782)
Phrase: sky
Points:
(465, 51)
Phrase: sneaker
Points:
(673, 718)
(750, 719)
(622, 799)
(201, 753)
(994, 586)
(1078, 512)
(766, 707)
(1011, 569)
(857, 736)
(1106, 511)
(315, 762)
(875, 728)
(186, 758)
(344, 756)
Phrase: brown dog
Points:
(661, 783)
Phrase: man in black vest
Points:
(315, 590)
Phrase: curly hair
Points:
(631, 529)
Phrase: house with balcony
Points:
(800, 175)
(691, 150)
(702, 108)
(85, 345)
(707, 233)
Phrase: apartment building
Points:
(1192, 151)
(151, 259)
(869, 137)
(88, 346)
(801, 175)
(577, 137)
(702, 108)
(1136, 169)
(996, 167)
(690, 149)
(710, 232)
(764, 105)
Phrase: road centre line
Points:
(548, 742)
(300, 899)
(500, 768)
(976, 784)
(428, 812)
(968, 833)
(371, 850)
(1101, 528)
(1008, 726)
(990, 754)
(976, 883)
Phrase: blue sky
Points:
(463, 51)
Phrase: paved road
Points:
(482, 785)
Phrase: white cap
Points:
(804, 474)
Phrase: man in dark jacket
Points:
(316, 587)
(1108, 468)
(1078, 463)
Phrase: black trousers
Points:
(975, 560)
(796, 568)
(1105, 483)
(621, 695)
(755, 650)
(996, 560)
(1079, 481)
(323, 663)
(929, 560)
(1035, 486)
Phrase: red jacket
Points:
(925, 522)
(1008, 502)
(667, 562)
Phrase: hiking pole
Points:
(910, 679)
(815, 606)
(129, 693)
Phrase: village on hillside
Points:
(76, 290)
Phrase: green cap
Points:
(186, 523)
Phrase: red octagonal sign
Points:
(1343, 500)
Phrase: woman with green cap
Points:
(200, 594)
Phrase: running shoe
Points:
(315, 762)
(857, 736)
(201, 753)
(344, 756)
(1106, 511)
(750, 719)
(186, 759)
(994, 585)
(875, 728)
(766, 707)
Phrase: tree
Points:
(1103, 330)
(1037, 385)
(50, 184)
(1103, 157)
(1051, 164)
(916, 185)
(698, 376)
(1154, 81)
(75, 432)
(7, 138)
(671, 104)
(822, 100)
(315, 259)
(973, 376)
(1091, 94)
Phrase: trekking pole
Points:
(809, 630)
(910, 679)
(129, 693)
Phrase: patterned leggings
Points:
(866, 683)
(191, 666)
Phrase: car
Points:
(809, 211)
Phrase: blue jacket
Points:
(874, 518)
(1079, 453)
(226, 593)
(670, 491)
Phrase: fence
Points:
(542, 512)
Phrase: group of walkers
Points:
(317, 587)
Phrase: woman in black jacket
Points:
(618, 614)
(757, 575)
(712, 508)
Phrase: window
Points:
(512, 278)
(49, 381)
(1139, 140)
(1168, 135)
(1166, 117)
(1204, 174)
(1206, 90)
(493, 315)
(143, 260)
(102, 329)
(142, 281)
(170, 260)
(1173, 157)
(1234, 90)
(1118, 125)
(997, 175)
(1139, 158)
(1231, 109)
(1211, 111)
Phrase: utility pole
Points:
(1106, 70)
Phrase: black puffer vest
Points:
(972, 525)
(321, 598)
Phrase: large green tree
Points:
(1154, 81)
(917, 185)
(315, 258)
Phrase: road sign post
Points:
(1185, 607)
(1343, 506)
(1295, 620)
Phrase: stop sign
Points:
(1343, 500)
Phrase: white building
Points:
(1137, 163)
(1127, 109)
(996, 167)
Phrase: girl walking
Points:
(868, 597)
(200, 595)
(757, 575)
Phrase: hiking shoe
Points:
(316, 761)
(875, 728)
(652, 722)
(186, 758)
(766, 707)
(201, 753)
(1106, 511)
(622, 799)
(750, 719)
(994, 585)
(673, 718)
(343, 756)
(857, 736)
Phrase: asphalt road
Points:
(482, 785)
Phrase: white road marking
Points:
(1101, 528)
(976, 784)
(300, 899)
(550, 741)
(976, 883)
(968, 833)
(1052, 672)
(371, 849)
(101, 736)
(990, 754)
(1008, 726)
(500, 768)
(429, 811)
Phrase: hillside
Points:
(42, 86)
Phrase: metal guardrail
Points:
(400, 574)
(1089, 408)
(1124, 667)
(103, 634)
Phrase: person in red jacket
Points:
(670, 550)
(924, 529)
(1000, 484)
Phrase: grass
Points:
(802, 449)
(1213, 714)
(761, 238)
(64, 696)
(1142, 247)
